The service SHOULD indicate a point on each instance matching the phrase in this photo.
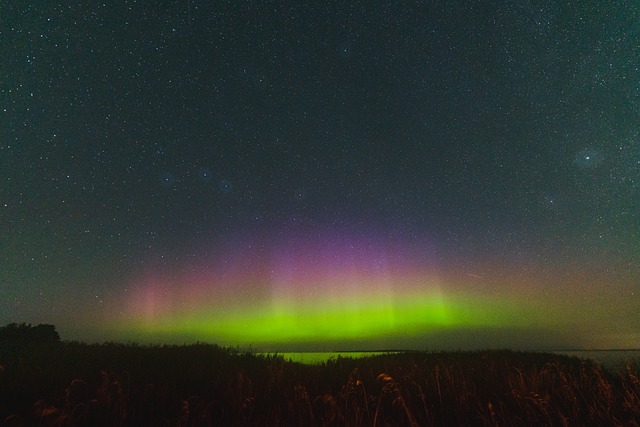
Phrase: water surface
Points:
(610, 359)
(314, 357)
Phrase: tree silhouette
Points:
(22, 332)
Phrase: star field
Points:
(322, 175)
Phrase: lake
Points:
(611, 359)
(313, 357)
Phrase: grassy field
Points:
(75, 384)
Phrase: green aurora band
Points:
(366, 295)
(352, 319)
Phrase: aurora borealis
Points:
(323, 176)
(351, 293)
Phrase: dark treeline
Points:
(17, 332)
(76, 384)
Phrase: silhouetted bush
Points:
(23, 332)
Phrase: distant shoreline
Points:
(612, 359)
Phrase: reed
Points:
(76, 384)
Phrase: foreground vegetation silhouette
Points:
(52, 383)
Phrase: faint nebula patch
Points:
(589, 158)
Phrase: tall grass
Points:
(75, 384)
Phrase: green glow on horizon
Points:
(289, 321)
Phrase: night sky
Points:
(322, 174)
